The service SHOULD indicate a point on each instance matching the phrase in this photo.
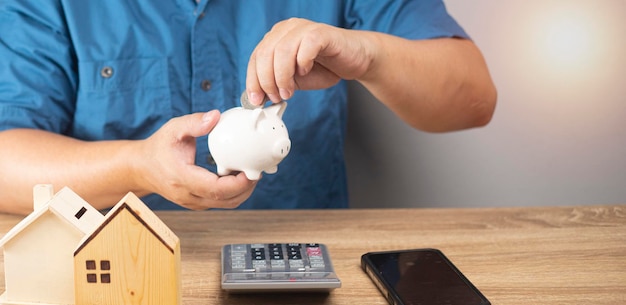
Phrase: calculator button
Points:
(294, 252)
(296, 264)
(316, 259)
(238, 257)
(316, 263)
(238, 254)
(259, 265)
(276, 249)
(238, 249)
(238, 262)
(295, 256)
(314, 251)
(276, 254)
(277, 265)
(258, 254)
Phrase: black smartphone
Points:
(420, 277)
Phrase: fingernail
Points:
(208, 116)
(284, 93)
(255, 98)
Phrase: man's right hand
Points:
(166, 166)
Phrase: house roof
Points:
(144, 215)
(64, 204)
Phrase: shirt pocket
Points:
(122, 99)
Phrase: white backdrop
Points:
(558, 136)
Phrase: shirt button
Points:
(201, 16)
(106, 72)
(206, 85)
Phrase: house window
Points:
(92, 277)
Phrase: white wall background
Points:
(558, 136)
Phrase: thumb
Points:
(200, 124)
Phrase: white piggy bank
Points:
(250, 141)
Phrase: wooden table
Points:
(541, 255)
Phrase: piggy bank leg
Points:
(272, 170)
(252, 174)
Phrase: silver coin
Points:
(245, 103)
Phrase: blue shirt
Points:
(118, 69)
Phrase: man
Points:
(115, 96)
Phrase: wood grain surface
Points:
(536, 255)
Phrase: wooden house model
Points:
(131, 258)
(67, 252)
(38, 251)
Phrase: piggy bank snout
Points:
(281, 148)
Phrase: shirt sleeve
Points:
(37, 67)
(411, 19)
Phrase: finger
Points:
(211, 190)
(195, 202)
(318, 78)
(253, 88)
(285, 63)
(264, 69)
(195, 124)
(198, 203)
(231, 186)
(238, 198)
(262, 61)
(310, 48)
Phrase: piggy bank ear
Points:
(256, 116)
(278, 109)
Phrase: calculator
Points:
(277, 267)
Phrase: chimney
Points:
(42, 193)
